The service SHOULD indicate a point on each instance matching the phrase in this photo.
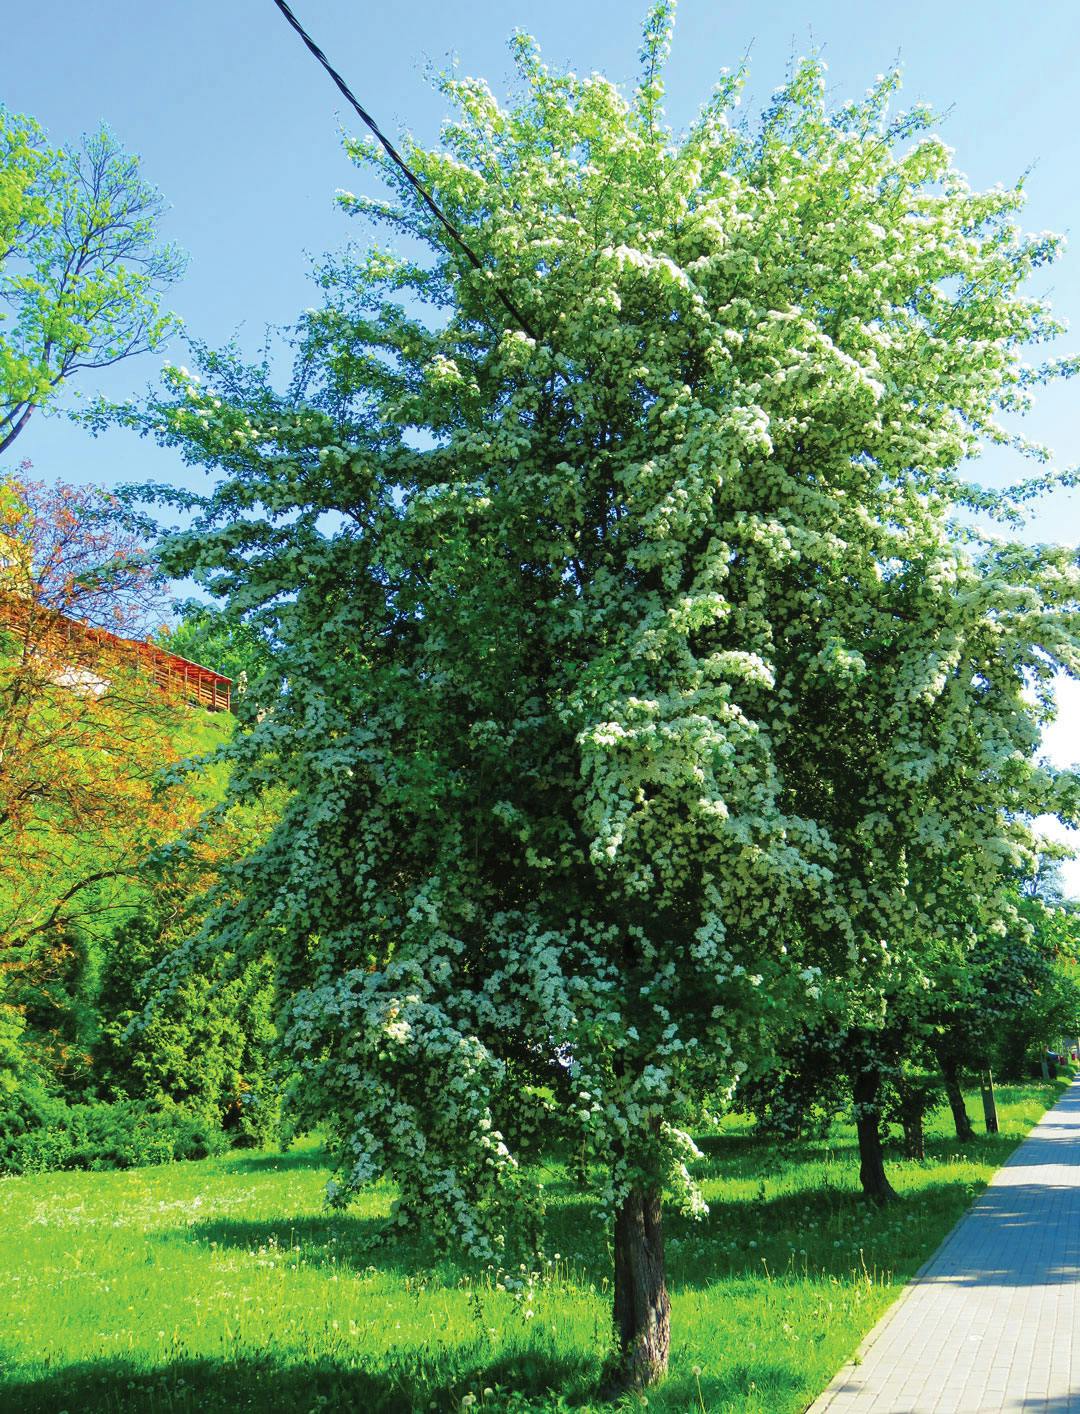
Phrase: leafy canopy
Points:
(636, 681)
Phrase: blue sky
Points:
(241, 131)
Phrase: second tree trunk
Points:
(912, 1109)
(951, 1072)
(865, 1086)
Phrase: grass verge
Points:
(225, 1285)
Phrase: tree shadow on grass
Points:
(352, 1242)
(345, 1241)
(203, 1386)
(774, 1386)
(761, 1153)
(342, 1241)
(751, 1155)
(818, 1233)
(993, 1149)
(253, 1161)
(823, 1227)
(826, 1223)
(531, 1381)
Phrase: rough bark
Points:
(642, 1311)
(865, 1086)
(950, 1070)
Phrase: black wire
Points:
(396, 157)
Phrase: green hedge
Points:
(39, 1132)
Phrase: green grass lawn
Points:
(225, 1285)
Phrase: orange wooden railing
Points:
(81, 643)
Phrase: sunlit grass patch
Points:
(226, 1285)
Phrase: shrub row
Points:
(39, 1132)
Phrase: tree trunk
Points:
(642, 1310)
(951, 1071)
(990, 1114)
(912, 1109)
(875, 1185)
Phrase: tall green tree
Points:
(634, 681)
(81, 268)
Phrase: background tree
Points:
(85, 732)
(572, 690)
(231, 646)
(1038, 1008)
(81, 268)
(206, 1045)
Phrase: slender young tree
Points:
(81, 269)
(633, 682)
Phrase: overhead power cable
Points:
(399, 162)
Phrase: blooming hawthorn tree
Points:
(633, 680)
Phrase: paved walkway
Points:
(988, 1324)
